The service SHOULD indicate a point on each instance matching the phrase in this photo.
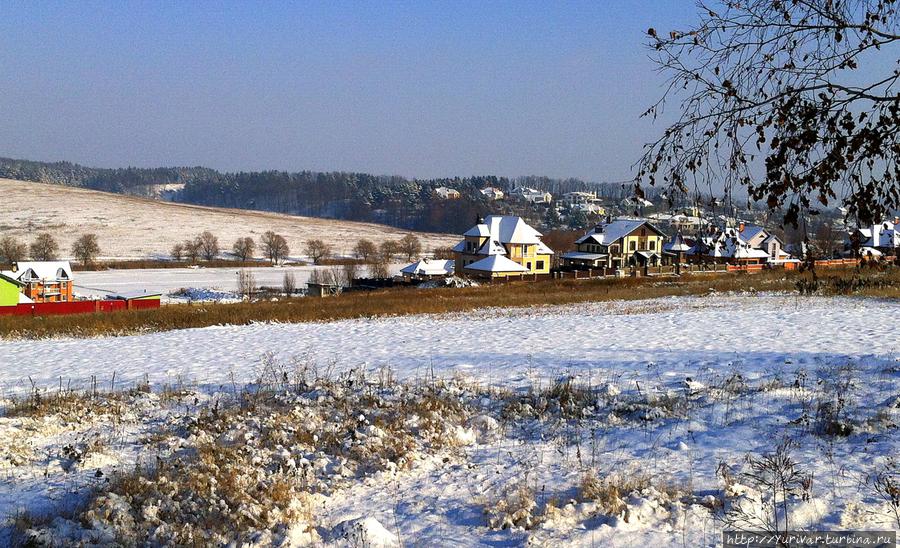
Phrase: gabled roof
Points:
(5, 275)
(43, 270)
(480, 229)
(677, 245)
(496, 263)
(460, 247)
(751, 231)
(609, 233)
(429, 267)
(509, 229)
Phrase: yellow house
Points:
(500, 246)
(617, 244)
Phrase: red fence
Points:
(76, 307)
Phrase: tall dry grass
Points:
(404, 301)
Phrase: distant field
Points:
(133, 228)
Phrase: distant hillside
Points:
(132, 227)
(393, 200)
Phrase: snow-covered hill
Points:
(132, 228)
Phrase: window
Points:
(632, 245)
(614, 249)
(540, 265)
(528, 265)
(651, 245)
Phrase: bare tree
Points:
(411, 246)
(364, 250)
(388, 249)
(275, 247)
(442, 253)
(351, 272)
(289, 283)
(44, 248)
(771, 98)
(177, 252)
(243, 248)
(11, 250)
(191, 250)
(379, 268)
(208, 244)
(317, 250)
(246, 283)
(86, 249)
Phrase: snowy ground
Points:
(679, 386)
(138, 228)
(221, 283)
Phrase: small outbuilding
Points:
(428, 269)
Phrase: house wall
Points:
(643, 239)
(9, 293)
(527, 256)
(49, 291)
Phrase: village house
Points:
(492, 193)
(428, 269)
(573, 198)
(501, 246)
(726, 246)
(536, 196)
(880, 239)
(677, 249)
(617, 244)
(41, 281)
(759, 238)
(446, 193)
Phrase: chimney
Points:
(741, 227)
(896, 221)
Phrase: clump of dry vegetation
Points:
(397, 301)
(248, 467)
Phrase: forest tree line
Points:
(393, 200)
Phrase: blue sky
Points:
(420, 89)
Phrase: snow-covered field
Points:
(673, 392)
(220, 283)
(138, 228)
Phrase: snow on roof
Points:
(429, 267)
(480, 229)
(870, 251)
(496, 263)
(608, 233)
(751, 231)
(43, 270)
(510, 229)
(583, 256)
(460, 247)
(10, 276)
(492, 247)
(677, 245)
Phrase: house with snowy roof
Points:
(883, 238)
(726, 246)
(616, 244)
(760, 238)
(492, 193)
(501, 246)
(428, 269)
(535, 196)
(40, 281)
(446, 193)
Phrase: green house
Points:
(9, 291)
